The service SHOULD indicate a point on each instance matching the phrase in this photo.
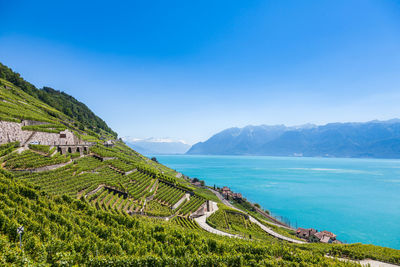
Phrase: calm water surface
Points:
(358, 199)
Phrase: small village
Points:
(313, 236)
(227, 193)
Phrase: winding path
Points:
(226, 202)
(203, 224)
(262, 226)
(271, 232)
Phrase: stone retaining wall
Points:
(11, 132)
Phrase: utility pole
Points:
(20, 230)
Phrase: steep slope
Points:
(61, 101)
(371, 139)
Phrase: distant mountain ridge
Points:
(157, 146)
(376, 139)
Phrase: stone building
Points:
(305, 233)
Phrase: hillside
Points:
(376, 139)
(86, 198)
(83, 117)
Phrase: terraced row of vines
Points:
(126, 177)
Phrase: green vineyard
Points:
(154, 208)
(168, 194)
(29, 160)
(187, 223)
(191, 206)
(49, 128)
(86, 174)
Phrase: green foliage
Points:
(40, 148)
(8, 148)
(49, 128)
(207, 194)
(30, 160)
(187, 223)
(74, 155)
(16, 111)
(191, 206)
(56, 99)
(168, 194)
(139, 184)
(73, 108)
(121, 165)
(4, 117)
(16, 105)
(153, 208)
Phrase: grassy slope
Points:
(83, 117)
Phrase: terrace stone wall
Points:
(11, 132)
(52, 139)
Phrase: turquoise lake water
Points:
(357, 199)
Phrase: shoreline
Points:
(272, 156)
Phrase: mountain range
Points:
(376, 139)
(151, 146)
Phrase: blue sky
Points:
(188, 69)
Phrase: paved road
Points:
(271, 232)
(366, 262)
(202, 223)
(372, 263)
